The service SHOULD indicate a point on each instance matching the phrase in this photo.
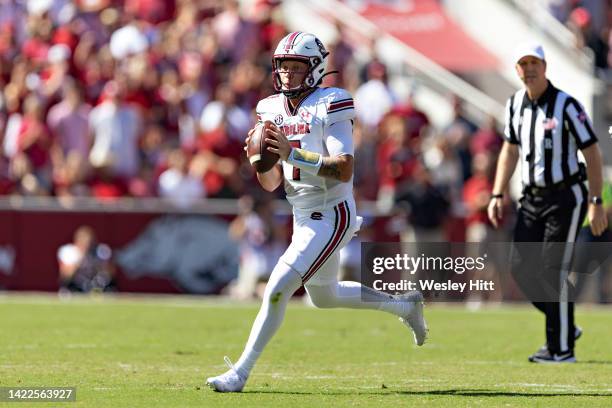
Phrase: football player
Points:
(313, 137)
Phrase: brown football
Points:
(260, 157)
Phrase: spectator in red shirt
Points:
(219, 156)
(151, 11)
(487, 139)
(417, 122)
(6, 184)
(395, 160)
(34, 139)
(476, 196)
(218, 148)
(270, 29)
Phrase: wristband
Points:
(497, 196)
(310, 162)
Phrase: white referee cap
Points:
(529, 49)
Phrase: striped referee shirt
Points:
(549, 132)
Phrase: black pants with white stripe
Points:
(544, 237)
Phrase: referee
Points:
(544, 129)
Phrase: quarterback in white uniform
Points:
(313, 137)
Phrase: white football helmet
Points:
(302, 47)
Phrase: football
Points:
(260, 157)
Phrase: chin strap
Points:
(292, 94)
(328, 73)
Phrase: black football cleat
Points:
(548, 357)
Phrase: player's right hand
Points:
(495, 211)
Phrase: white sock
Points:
(354, 295)
(282, 284)
(247, 360)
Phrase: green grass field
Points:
(156, 352)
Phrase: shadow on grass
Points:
(494, 393)
(451, 392)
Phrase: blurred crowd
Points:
(591, 23)
(110, 98)
(153, 98)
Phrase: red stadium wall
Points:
(36, 236)
(33, 236)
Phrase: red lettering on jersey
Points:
(296, 129)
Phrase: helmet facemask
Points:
(308, 81)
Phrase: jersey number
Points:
(296, 171)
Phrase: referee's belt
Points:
(554, 188)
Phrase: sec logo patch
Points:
(278, 120)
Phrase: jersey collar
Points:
(292, 112)
(548, 96)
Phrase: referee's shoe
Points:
(543, 355)
(548, 357)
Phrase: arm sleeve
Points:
(509, 131)
(340, 107)
(339, 138)
(580, 124)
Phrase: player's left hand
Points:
(597, 219)
(247, 141)
(279, 142)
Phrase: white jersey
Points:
(308, 127)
